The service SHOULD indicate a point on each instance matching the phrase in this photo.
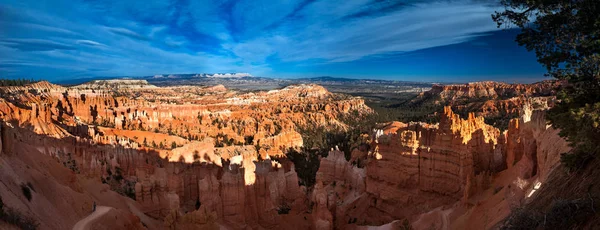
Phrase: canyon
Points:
(188, 157)
(497, 102)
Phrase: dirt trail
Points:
(446, 219)
(83, 223)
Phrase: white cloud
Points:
(89, 43)
(322, 36)
(135, 38)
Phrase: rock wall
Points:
(194, 157)
(414, 168)
(496, 101)
(187, 155)
(339, 186)
(490, 89)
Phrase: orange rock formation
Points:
(174, 149)
(427, 173)
(494, 100)
(190, 157)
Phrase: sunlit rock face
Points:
(192, 157)
(533, 144)
(424, 173)
(187, 156)
(490, 89)
(438, 158)
(423, 166)
(492, 100)
(115, 84)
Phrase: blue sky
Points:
(403, 40)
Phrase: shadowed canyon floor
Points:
(189, 157)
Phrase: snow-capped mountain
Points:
(225, 75)
(209, 75)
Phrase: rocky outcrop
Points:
(195, 157)
(492, 90)
(495, 101)
(534, 144)
(451, 163)
(115, 84)
(339, 185)
(335, 168)
(176, 150)
(432, 165)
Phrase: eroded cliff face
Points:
(458, 173)
(495, 101)
(189, 157)
(243, 192)
(490, 89)
(413, 168)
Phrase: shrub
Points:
(406, 225)
(563, 214)
(118, 183)
(118, 176)
(522, 219)
(16, 82)
(549, 29)
(30, 186)
(498, 189)
(198, 204)
(352, 220)
(26, 191)
(71, 163)
(283, 208)
(129, 189)
(306, 164)
(566, 214)
(249, 140)
(18, 219)
(575, 160)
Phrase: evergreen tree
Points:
(565, 36)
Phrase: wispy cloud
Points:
(89, 43)
(415, 27)
(35, 44)
(127, 33)
(163, 36)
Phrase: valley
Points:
(318, 115)
(297, 157)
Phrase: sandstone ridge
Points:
(190, 157)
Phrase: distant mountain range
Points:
(246, 81)
(354, 80)
(158, 77)
(200, 75)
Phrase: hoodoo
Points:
(189, 157)
(357, 114)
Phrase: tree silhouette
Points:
(565, 36)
